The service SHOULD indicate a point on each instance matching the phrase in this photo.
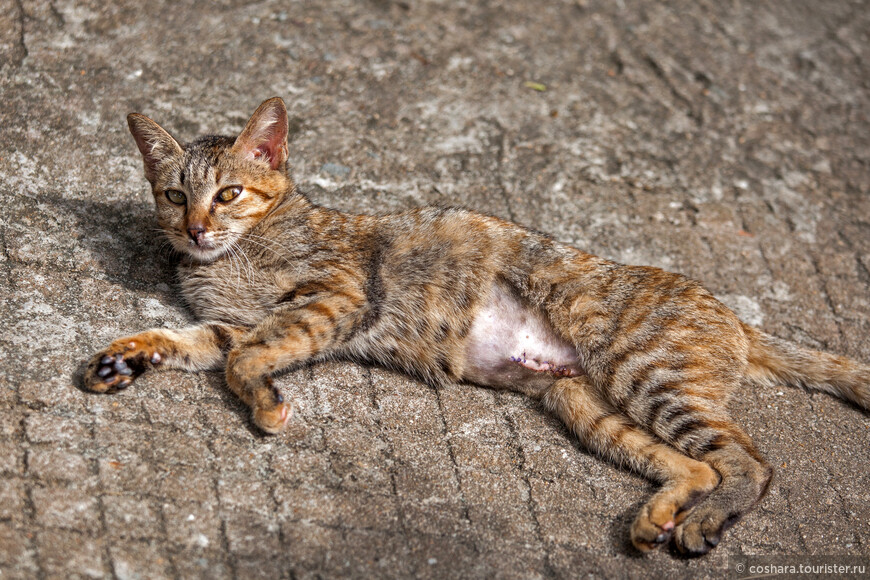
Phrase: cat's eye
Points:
(230, 193)
(176, 196)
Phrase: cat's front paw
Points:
(273, 420)
(270, 412)
(118, 366)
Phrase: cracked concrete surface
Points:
(726, 140)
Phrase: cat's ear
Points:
(265, 135)
(153, 141)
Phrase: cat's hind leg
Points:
(691, 416)
(745, 479)
(198, 347)
(614, 436)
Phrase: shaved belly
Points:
(511, 345)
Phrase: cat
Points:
(637, 361)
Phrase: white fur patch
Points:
(512, 345)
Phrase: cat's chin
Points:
(205, 254)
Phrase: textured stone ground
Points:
(726, 140)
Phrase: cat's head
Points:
(214, 190)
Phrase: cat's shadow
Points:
(124, 240)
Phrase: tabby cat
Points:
(638, 362)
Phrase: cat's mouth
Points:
(204, 251)
(204, 248)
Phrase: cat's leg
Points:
(612, 435)
(194, 348)
(691, 416)
(745, 479)
(284, 338)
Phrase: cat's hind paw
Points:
(702, 529)
(663, 514)
(653, 526)
(117, 367)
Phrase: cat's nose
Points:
(196, 232)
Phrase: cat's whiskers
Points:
(236, 253)
(231, 253)
(233, 244)
(249, 237)
(265, 243)
(178, 241)
(165, 241)
(166, 249)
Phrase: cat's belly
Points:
(511, 345)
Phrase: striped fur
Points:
(638, 362)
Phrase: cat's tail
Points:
(773, 360)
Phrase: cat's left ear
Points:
(265, 135)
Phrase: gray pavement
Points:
(726, 140)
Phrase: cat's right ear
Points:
(154, 143)
(264, 138)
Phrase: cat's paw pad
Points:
(118, 366)
(274, 419)
(702, 530)
(652, 529)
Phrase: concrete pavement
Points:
(726, 140)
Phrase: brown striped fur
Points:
(638, 362)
